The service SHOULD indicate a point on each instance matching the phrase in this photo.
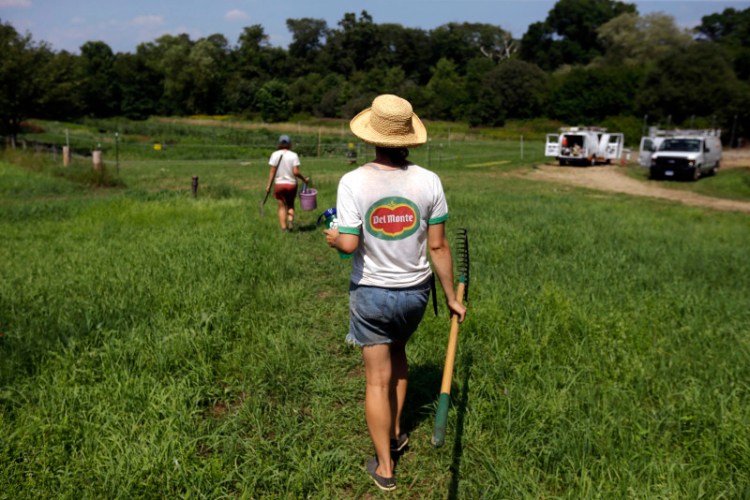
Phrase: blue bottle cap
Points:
(328, 214)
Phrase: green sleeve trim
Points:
(349, 230)
(438, 220)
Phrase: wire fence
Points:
(115, 151)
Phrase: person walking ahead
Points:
(390, 213)
(283, 176)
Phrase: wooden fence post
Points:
(96, 158)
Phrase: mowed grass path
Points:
(155, 345)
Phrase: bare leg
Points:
(290, 217)
(378, 411)
(399, 384)
(282, 214)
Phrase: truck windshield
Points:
(685, 145)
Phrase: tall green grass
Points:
(158, 345)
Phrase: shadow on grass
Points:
(424, 389)
(307, 228)
(458, 448)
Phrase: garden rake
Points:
(441, 416)
(262, 207)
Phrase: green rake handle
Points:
(441, 416)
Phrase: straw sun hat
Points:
(389, 123)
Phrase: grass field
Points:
(157, 345)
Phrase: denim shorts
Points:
(385, 315)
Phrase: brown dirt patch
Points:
(614, 179)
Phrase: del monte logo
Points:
(392, 218)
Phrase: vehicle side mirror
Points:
(707, 150)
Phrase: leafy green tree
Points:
(731, 29)
(393, 80)
(334, 92)
(407, 48)
(522, 87)
(166, 57)
(635, 40)
(253, 54)
(308, 38)
(273, 101)
(61, 98)
(205, 68)
(511, 89)
(177, 81)
(98, 84)
(139, 84)
(304, 90)
(569, 33)
(239, 94)
(538, 46)
(462, 42)
(585, 96)
(487, 108)
(695, 80)
(477, 70)
(447, 91)
(23, 81)
(355, 46)
(254, 63)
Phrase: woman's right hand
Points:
(458, 309)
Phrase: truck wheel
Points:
(696, 173)
(715, 169)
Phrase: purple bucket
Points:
(308, 198)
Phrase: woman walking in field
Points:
(391, 212)
(283, 176)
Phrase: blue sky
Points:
(123, 24)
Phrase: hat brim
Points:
(360, 126)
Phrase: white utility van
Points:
(584, 146)
(681, 153)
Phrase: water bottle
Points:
(329, 217)
(331, 222)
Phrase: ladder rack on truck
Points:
(709, 132)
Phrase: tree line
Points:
(587, 61)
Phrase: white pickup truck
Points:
(584, 146)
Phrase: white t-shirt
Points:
(285, 171)
(390, 210)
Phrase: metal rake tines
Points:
(462, 259)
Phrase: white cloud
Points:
(236, 15)
(15, 3)
(150, 20)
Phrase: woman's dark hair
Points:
(397, 156)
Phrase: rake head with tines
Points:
(462, 260)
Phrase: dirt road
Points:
(614, 179)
